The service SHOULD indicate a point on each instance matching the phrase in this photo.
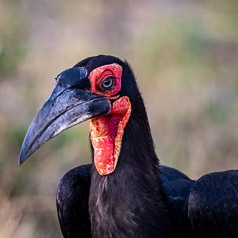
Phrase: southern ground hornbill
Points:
(125, 192)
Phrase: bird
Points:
(125, 191)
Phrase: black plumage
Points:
(213, 205)
(140, 198)
(72, 202)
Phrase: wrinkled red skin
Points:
(99, 74)
(107, 131)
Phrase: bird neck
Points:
(130, 202)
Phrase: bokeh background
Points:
(184, 54)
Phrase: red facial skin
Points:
(107, 131)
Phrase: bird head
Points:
(99, 90)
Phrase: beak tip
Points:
(20, 161)
(22, 157)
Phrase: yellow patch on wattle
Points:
(107, 134)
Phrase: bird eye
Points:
(107, 82)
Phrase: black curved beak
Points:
(69, 104)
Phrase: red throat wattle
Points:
(107, 131)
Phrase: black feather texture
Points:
(213, 205)
(72, 202)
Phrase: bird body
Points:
(125, 192)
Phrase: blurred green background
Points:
(184, 54)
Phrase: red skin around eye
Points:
(99, 74)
